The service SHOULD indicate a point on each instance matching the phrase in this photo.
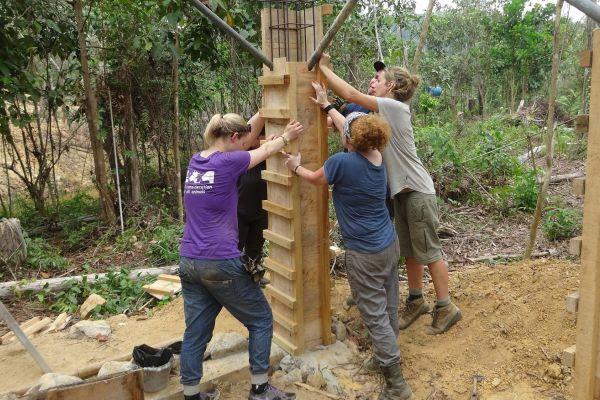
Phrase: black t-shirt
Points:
(252, 190)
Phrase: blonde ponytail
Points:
(224, 125)
(405, 82)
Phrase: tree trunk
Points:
(134, 171)
(107, 213)
(424, 29)
(541, 201)
(176, 153)
(13, 250)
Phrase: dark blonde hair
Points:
(370, 132)
(225, 125)
(405, 82)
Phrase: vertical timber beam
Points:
(298, 260)
(587, 366)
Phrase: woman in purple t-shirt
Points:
(212, 274)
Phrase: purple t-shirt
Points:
(211, 197)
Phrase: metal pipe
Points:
(259, 55)
(328, 37)
(587, 7)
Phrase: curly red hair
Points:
(370, 132)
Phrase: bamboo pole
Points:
(423, 37)
(541, 201)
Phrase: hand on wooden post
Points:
(291, 161)
(321, 92)
(325, 60)
(293, 130)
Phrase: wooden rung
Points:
(582, 123)
(280, 269)
(272, 80)
(278, 239)
(567, 356)
(170, 278)
(275, 113)
(578, 186)
(280, 296)
(284, 344)
(573, 302)
(585, 58)
(269, 176)
(280, 210)
(575, 246)
(290, 326)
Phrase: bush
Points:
(525, 191)
(80, 205)
(561, 223)
(164, 246)
(43, 256)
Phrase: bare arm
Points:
(347, 92)
(317, 177)
(257, 123)
(291, 132)
(322, 101)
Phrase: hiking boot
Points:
(213, 394)
(272, 393)
(413, 310)
(396, 387)
(371, 365)
(444, 318)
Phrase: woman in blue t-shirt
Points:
(359, 193)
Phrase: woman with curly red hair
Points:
(359, 182)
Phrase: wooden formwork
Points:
(587, 362)
(298, 259)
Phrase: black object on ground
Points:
(146, 356)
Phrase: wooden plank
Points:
(285, 212)
(280, 179)
(575, 246)
(272, 80)
(586, 58)
(588, 320)
(582, 123)
(567, 356)
(285, 344)
(280, 296)
(275, 113)
(335, 251)
(23, 326)
(170, 278)
(280, 269)
(578, 186)
(125, 386)
(291, 326)
(573, 302)
(278, 239)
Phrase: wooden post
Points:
(298, 260)
(587, 383)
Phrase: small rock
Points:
(339, 329)
(90, 329)
(496, 382)
(288, 363)
(306, 370)
(224, 344)
(294, 375)
(316, 380)
(278, 375)
(119, 320)
(52, 380)
(90, 304)
(554, 371)
(332, 385)
(114, 367)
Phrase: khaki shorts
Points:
(416, 216)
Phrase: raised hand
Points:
(293, 130)
(321, 95)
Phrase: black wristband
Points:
(328, 108)
(296, 169)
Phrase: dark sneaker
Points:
(213, 394)
(413, 310)
(272, 393)
(443, 319)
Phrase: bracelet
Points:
(328, 108)
(285, 141)
(296, 169)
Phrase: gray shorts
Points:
(416, 216)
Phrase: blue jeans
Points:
(208, 286)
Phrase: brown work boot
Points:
(413, 310)
(396, 387)
(443, 319)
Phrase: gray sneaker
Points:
(272, 393)
(213, 394)
(443, 319)
(413, 310)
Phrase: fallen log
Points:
(566, 177)
(493, 257)
(8, 289)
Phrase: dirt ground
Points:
(514, 327)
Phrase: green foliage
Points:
(122, 294)
(521, 195)
(41, 255)
(164, 246)
(561, 223)
(79, 205)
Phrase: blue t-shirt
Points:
(359, 194)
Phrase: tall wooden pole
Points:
(541, 201)
(176, 152)
(424, 29)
